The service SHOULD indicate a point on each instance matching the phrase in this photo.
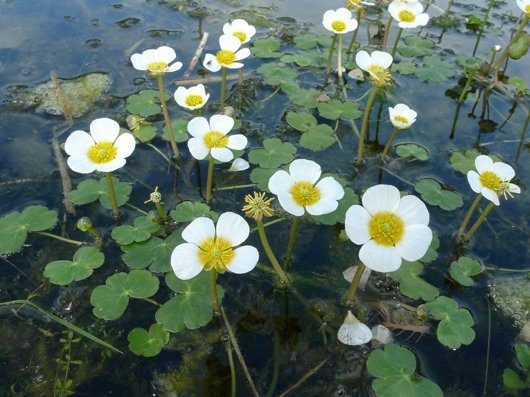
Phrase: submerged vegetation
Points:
(276, 225)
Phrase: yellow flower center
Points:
(226, 57)
(157, 67)
(338, 26)
(304, 193)
(242, 36)
(379, 75)
(194, 100)
(527, 8)
(216, 254)
(406, 16)
(102, 152)
(386, 228)
(491, 181)
(401, 119)
(214, 139)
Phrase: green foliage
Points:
(15, 226)
(435, 70)
(155, 253)
(305, 98)
(350, 198)
(336, 109)
(463, 268)
(301, 121)
(464, 160)
(187, 211)
(273, 154)
(306, 58)
(394, 368)
(180, 131)
(310, 41)
(432, 252)
(520, 45)
(142, 229)
(85, 260)
(467, 62)
(415, 46)
(266, 48)
(261, 176)
(148, 343)
(518, 83)
(277, 74)
(91, 190)
(511, 378)
(434, 194)
(412, 150)
(145, 103)
(455, 324)
(404, 67)
(145, 133)
(411, 284)
(318, 138)
(111, 300)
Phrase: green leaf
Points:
(154, 253)
(91, 190)
(394, 368)
(305, 59)
(318, 138)
(141, 231)
(522, 351)
(306, 98)
(85, 260)
(412, 150)
(37, 218)
(145, 103)
(187, 211)
(148, 344)
(455, 324)
(111, 300)
(336, 109)
(436, 70)
(463, 268)
(180, 131)
(415, 46)
(432, 252)
(278, 74)
(310, 41)
(464, 160)
(468, 61)
(301, 121)
(512, 380)
(266, 48)
(350, 198)
(261, 176)
(520, 45)
(411, 284)
(273, 154)
(518, 83)
(145, 133)
(404, 67)
(434, 194)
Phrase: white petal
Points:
(280, 182)
(381, 198)
(230, 43)
(150, 55)
(235, 65)
(197, 148)
(240, 25)
(138, 62)
(415, 7)
(330, 192)
(239, 164)
(412, 211)
(491, 196)
(503, 171)
(174, 67)
(111, 165)
(211, 63)
(237, 141)
(327, 24)
(180, 96)
(223, 155)
(242, 54)
(514, 188)
(422, 19)
(198, 127)
(305, 171)
(323, 206)
(363, 60)
(227, 29)
(221, 123)
(354, 335)
(125, 144)
(166, 54)
(483, 163)
(104, 130)
(379, 258)
(81, 164)
(245, 259)
(381, 58)
(185, 261)
(474, 181)
(329, 15)
(250, 33)
(351, 25)
(232, 227)
(199, 230)
(415, 242)
(78, 142)
(356, 222)
(289, 205)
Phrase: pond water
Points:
(88, 44)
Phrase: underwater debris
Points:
(511, 296)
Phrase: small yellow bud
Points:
(258, 206)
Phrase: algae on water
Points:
(511, 296)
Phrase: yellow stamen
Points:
(102, 152)
(258, 206)
(406, 16)
(226, 57)
(527, 8)
(386, 228)
(156, 68)
(338, 26)
(304, 193)
(214, 139)
(401, 119)
(491, 181)
(379, 75)
(216, 254)
(193, 100)
(242, 36)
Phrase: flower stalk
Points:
(162, 96)
(292, 238)
(112, 195)
(270, 254)
(478, 222)
(506, 51)
(350, 298)
(354, 36)
(209, 181)
(468, 83)
(364, 128)
(223, 89)
(339, 60)
(60, 238)
(389, 144)
(330, 55)
(394, 47)
(468, 216)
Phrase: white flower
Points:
(191, 98)
(227, 56)
(497, 48)
(104, 149)
(298, 190)
(239, 164)
(211, 138)
(339, 21)
(352, 332)
(389, 227)
(240, 29)
(492, 179)
(376, 64)
(401, 116)
(524, 5)
(157, 62)
(210, 247)
(409, 14)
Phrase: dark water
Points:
(77, 37)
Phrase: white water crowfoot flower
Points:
(156, 61)
(352, 332)
(409, 14)
(104, 149)
(240, 29)
(298, 190)
(492, 179)
(389, 228)
(524, 5)
(376, 64)
(214, 247)
(211, 138)
(191, 98)
(228, 55)
(339, 21)
(401, 116)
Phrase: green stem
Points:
(292, 238)
(350, 298)
(330, 56)
(276, 370)
(354, 37)
(270, 254)
(468, 82)
(209, 180)
(66, 240)
(268, 224)
(161, 211)
(339, 60)
(389, 143)
(387, 30)
(233, 389)
(468, 216)
(94, 232)
(506, 51)
(479, 221)
(364, 127)
(394, 47)
(223, 88)
(112, 195)
(162, 96)
(482, 26)
(213, 292)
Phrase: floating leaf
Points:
(266, 48)
(141, 231)
(145, 103)
(187, 211)
(180, 131)
(318, 138)
(511, 379)
(463, 268)
(310, 41)
(301, 121)
(522, 351)
(434, 194)
(468, 61)
(336, 109)
(91, 190)
(518, 83)
(278, 74)
(261, 176)
(404, 67)
(520, 45)
(436, 70)
(304, 98)
(155, 253)
(432, 252)
(273, 154)
(145, 133)
(411, 284)
(416, 46)
(455, 324)
(305, 59)
(350, 198)
(111, 300)
(148, 344)
(464, 160)
(412, 150)
(85, 260)
(394, 368)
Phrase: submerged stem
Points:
(270, 254)
(389, 143)
(66, 240)
(364, 127)
(330, 56)
(350, 298)
(292, 238)
(209, 180)
(479, 221)
(506, 51)
(223, 88)
(112, 195)
(468, 82)
(468, 216)
(394, 48)
(339, 60)
(162, 96)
